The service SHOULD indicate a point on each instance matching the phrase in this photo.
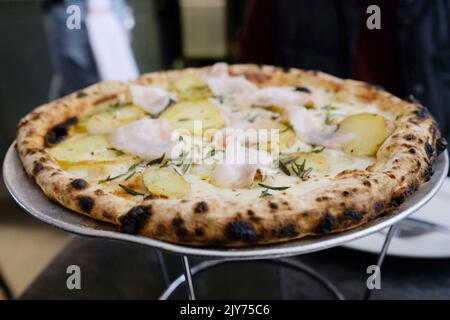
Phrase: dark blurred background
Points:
(40, 59)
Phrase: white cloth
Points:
(109, 42)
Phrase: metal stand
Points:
(189, 273)
(162, 267)
(5, 288)
(382, 255)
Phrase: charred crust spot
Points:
(273, 205)
(429, 150)
(324, 198)
(397, 200)
(59, 132)
(441, 145)
(409, 137)
(241, 231)
(251, 213)
(201, 207)
(38, 167)
(35, 116)
(288, 231)
(422, 112)
(326, 224)
(412, 151)
(135, 219)
(378, 206)
(22, 123)
(199, 232)
(367, 183)
(345, 193)
(428, 173)
(177, 221)
(85, 203)
(79, 184)
(81, 94)
(354, 215)
(302, 89)
(182, 232)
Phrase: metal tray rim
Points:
(12, 166)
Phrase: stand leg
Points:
(206, 265)
(4, 286)
(188, 277)
(382, 255)
(162, 267)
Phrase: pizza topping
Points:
(240, 165)
(108, 119)
(85, 150)
(221, 83)
(146, 138)
(311, 130)
(368, 133)
(191, 87)
(152, 99)
(194, 116)
(130, 190)
(278, 96)
(165, 182)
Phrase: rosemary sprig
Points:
(130, 175)
(109, 178)
(118, 152)
(117, 105)
(211, 153)
(317, 149)
(130, 172)
(300, 170)
(265, 193)
(283, 168)
(130, 191)
(156, 161)
(272, 187)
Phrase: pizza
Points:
(230, 155)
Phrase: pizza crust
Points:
(354, 197)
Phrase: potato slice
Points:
(183, 115)
(204, 171)
(369, 130)
(111, 118)
(316, 161)
(286, 136)
(191, 87)
(165, 182)
(85, 150)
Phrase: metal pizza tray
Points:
(29, 196)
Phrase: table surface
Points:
(119, 270)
